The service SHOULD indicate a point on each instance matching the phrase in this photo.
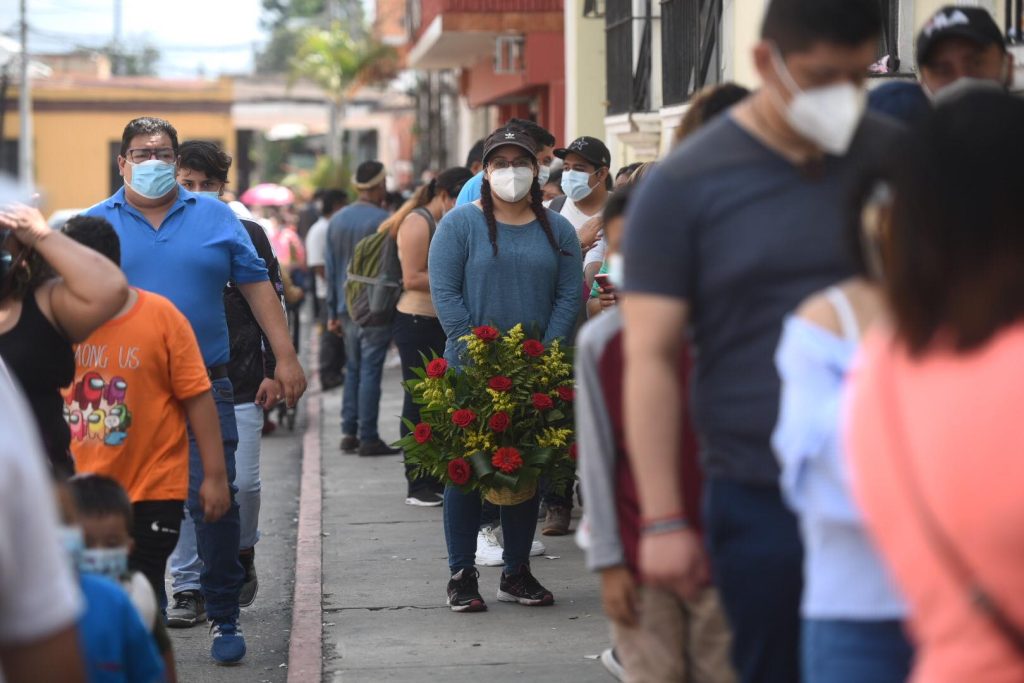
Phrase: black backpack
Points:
(374, 281)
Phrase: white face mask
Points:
(827, 116)
(543, 173)
(617, 270)
(512, 184)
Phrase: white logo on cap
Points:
(510, 136)
(943, 21)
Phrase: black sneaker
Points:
(188, 610)
(349, 444)
(376, 447)
(464, 592)
(521, 587)
(252, 584)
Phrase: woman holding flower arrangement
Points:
(505, 276)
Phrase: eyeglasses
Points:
(141, 154)
(502, 164)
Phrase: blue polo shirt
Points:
(200, 246)
(471, 190)
(116, 646)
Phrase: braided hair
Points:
(536, 203)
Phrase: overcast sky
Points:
(190, 34)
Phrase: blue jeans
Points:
(755, 549)
(366, 348)
(841, 651)
(207, 554)
(462, 523)
(249, 417)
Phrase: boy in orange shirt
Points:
(137, 379)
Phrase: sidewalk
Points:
(384, 580)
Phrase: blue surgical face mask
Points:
(576, 185)
(210, 194)
(543, 173)
(109, 562)
(153, 178)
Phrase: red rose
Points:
(573, 454)
(437, 367)
(500, 383)
(567, 394)
(507, 460)
(533, 348)
(422, 432)
(499, 422)
(486, 333)
(463, 418)
(543, 402)
(459, 471)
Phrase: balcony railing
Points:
(690, 47)
(425, 11)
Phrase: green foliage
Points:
(336, 61)
(141, 60)
(328, 174)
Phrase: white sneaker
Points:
(537, 549)
(488, 550)
(612, 664)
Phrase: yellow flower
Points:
(554, 438)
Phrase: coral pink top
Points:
(963, 432)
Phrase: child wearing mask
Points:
(116, 646)
(105, 517)
(656, 635)
(137, 379)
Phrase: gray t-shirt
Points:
(346, 228)
(743, 236)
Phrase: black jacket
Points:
(252, 360)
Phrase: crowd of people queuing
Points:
(788, 333)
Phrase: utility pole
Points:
(25, 164)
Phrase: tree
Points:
(140, 60)
(339, 63)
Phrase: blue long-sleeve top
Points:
(528, 282)
(843, 575)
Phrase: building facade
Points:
(676, 47)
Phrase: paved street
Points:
(384, 578)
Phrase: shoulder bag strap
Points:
(940, 542)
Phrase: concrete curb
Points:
(305, 650)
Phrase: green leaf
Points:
(481, 463)
(500, 480)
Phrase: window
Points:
(690, 47)
(628, 83)
(1015, 21)
(9, 157)
(890, 43)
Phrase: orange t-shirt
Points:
(124, 408)
(963, 437)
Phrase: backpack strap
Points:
(429, 218)
(844, 310)
(558, 203)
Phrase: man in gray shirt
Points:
(366, 347)
(726, 238)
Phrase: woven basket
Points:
(509, 497)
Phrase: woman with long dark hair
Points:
(502, 261)
(935, 436)
(53, 292)
(417, 332)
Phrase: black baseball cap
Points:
(510, 135)
(970, 23)
(591, 149)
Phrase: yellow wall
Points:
(72, 152)
(585, 83)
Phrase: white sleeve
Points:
(596, 255)
(316, 245)
(38, 592)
